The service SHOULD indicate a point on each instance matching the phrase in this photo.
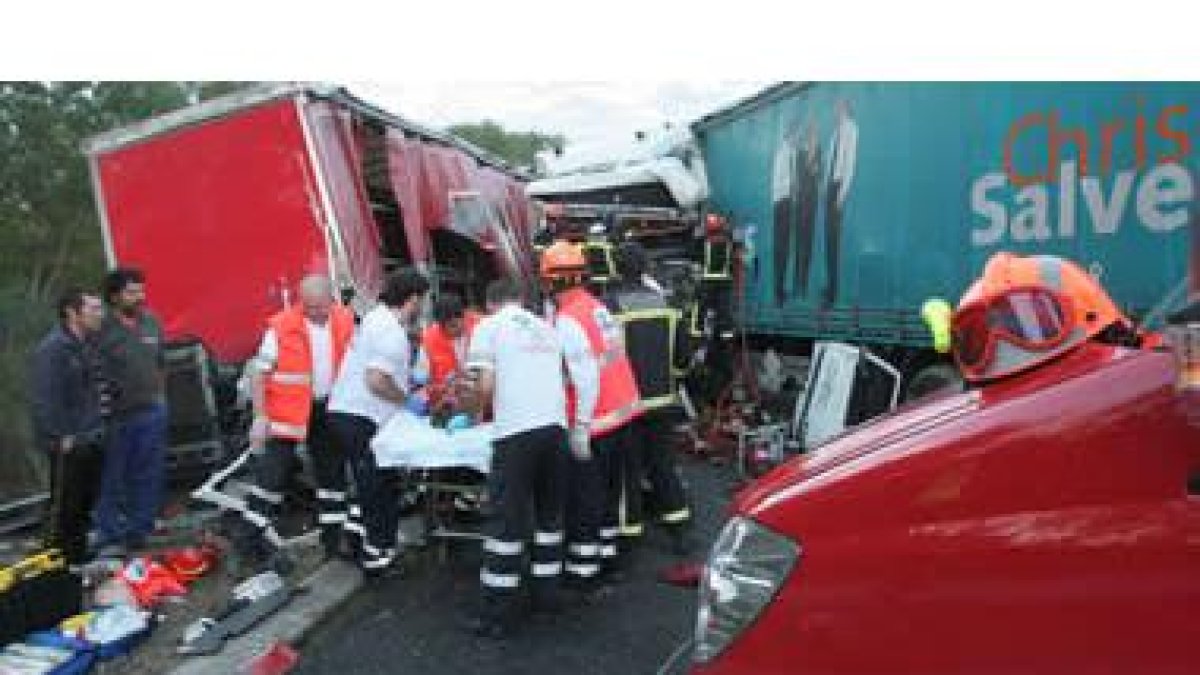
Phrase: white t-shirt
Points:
(380, 343)
(320, 342)
(525, 355)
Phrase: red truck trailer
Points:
(226, 204)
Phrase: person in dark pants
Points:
(783, 186)
(372, 386)
(130, 343)
(290, 382)
(68, 421)
(652, 340)
(509, 350)
(843, 149)
(602, 413)
(807, 196)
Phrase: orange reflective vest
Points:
(287, 390)
(618, 401)
(439, 350)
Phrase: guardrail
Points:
(22, 513)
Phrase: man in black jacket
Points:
(67, 418)
(655, 344)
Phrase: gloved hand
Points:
(258, 432)
(580, 441)
(937, 314)
(419, 377)
(417, 403)
(459, 421)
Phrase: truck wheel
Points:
(933, 378)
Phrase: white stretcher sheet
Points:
(411, 442)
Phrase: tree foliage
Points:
(518, 148)
(49, 231)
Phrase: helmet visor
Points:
(972, 341)
(1033, 319)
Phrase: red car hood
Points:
(888, 431)
(896, 432)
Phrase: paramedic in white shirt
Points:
(290, 392)
(519, 360)
(843, 150)
(373, 386)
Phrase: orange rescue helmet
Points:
(1026, 310)
(562, 260)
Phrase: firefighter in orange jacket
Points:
(290, 381)
(444, 346)
(585, 325)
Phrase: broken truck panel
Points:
(339, 152)
(405, 166)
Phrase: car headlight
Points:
(746, 567)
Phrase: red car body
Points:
(1043, 524)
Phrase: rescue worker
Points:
(373, 386)
(518, 358)
(444, 346)
(651, 333)
(593, 494)
(1026, 310)
(716, 279)
(709, 314)
(598, 252)
(290, 382)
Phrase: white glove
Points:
(258, 432)
(580, 442)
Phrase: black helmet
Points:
(631, 260)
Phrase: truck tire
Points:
(931, 378)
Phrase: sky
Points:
(598, 118)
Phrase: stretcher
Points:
(446, 466)
(410, 442)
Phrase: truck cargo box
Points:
(936, 177)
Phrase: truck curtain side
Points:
(227, 204)
(932, 179)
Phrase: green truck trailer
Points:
(859, 201)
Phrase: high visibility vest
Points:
(439, 350)
(599, 255)
(617, 402)
(650, 327)
(718, 260)
(288, 390)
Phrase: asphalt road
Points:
(413, 624)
